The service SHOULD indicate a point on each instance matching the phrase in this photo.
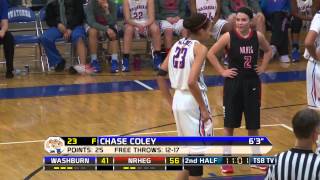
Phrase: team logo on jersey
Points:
(54, 145)
(137, 1)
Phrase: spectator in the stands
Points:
(101, 23)
(301, 11)
(140, 20)
(65, 20)
(170, 13)
(6, 38)
(277, 14)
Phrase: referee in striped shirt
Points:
(300, 162)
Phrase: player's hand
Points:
(176, 19)
(170, 20)
(109, 32)
(309, 18)
(62, 28)
(105, 6)
(2, 34)
(260, 69)
(317, 54)
(67, 34)
(205, 115)
(230, 73)
(232, 17)
(141, 28)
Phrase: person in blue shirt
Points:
(6, 38)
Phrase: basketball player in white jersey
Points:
(185, 64)
(312, 53)
(301, 11)
(211, 8)
(140, 19)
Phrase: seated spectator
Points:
(101, 19)
(230, 7)
(277, 13)
(170, 13)
(300, 162)
(65, 20)
(140, 20)
(6, 38)
(301, 12)
(211, 8)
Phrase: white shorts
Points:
(313, 84)
(187, 115)
(177, 27)
(216, 30)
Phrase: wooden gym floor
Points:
(38, 105)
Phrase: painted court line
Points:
(143, 85)
(159, 132)
(21, 142)
(127, 86)
(287, 127)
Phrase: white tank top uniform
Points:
(185, 108)
(313, 67)
(139, 13)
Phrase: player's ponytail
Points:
(196, 22)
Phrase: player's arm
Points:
(309, 43)
(265, 46)
(126, 13)
(200, 52)
(151, 12)
(311, 37)
(162, 83)
(294, 8)
(192, 6)
(222, 43)
(4, 27)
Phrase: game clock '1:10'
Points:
(236, 160)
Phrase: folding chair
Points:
(25, 31)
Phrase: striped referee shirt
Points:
(295, 164)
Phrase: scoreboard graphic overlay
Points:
(152, 153)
